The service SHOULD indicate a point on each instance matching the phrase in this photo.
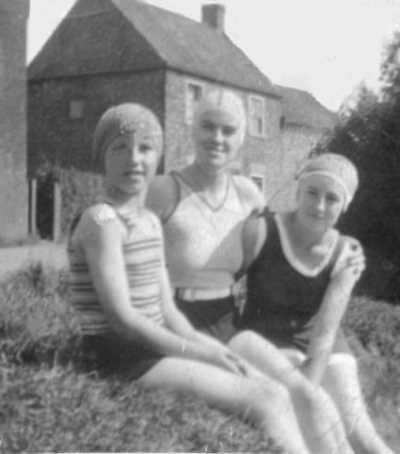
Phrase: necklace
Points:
(195, 188)
(218, 205)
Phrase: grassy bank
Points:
(52, 400)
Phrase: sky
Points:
(327, 47)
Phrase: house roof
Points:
(131, 35)
(300, 108)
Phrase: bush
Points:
(376, 324)
(369, 134)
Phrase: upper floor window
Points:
(257, 126)
(76, 109)
(193, 95)
(259, 181)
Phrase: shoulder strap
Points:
(239, 193)
(175, 177)
(254, 234)
(74, 222)
(77, 217)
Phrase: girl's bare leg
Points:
(342, 383)
(318, 417)
(268, 406)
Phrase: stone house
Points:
(13, 183)
(110, 51)
(304, 123)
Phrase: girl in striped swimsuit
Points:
(203, 208)
(121, 290)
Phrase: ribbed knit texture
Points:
(142, 251)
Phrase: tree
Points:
(369, 134)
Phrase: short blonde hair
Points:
(226, 101)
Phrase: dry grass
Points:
(51, 401)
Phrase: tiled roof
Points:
(300, 108)
(131, 35)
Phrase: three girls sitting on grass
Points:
(121, 291)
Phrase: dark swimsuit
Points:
(280, 300)
(214, 317)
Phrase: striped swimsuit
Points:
(143, 255)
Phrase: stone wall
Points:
(13, 183)
(62, 146)
(258, 155)
(58, 140)
(297, 142)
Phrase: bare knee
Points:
(312, 397)
(242, 339)
(341, 364)
(249, 343)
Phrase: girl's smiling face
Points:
(131, 161)
(320, 201)
(217, 136)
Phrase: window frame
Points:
(189, 115)
(76, 109)
(258, 176)
(251, 115)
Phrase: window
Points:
(257, 116)
(76, 108)
(194, 92)
(259, 180)
(257, 172)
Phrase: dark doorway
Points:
(45, 207)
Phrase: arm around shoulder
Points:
(254, 236)
(349, 265)
(249, 193)
(346, 271)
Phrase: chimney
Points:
(213, 15)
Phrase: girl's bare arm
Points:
(351, 264)
(102, 244)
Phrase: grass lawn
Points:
(52, 401)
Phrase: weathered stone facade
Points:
(13, 182)
(61, 146)
(57, 139)
(297, 143)
(178, 144)
(64, 149)
(133, 51)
